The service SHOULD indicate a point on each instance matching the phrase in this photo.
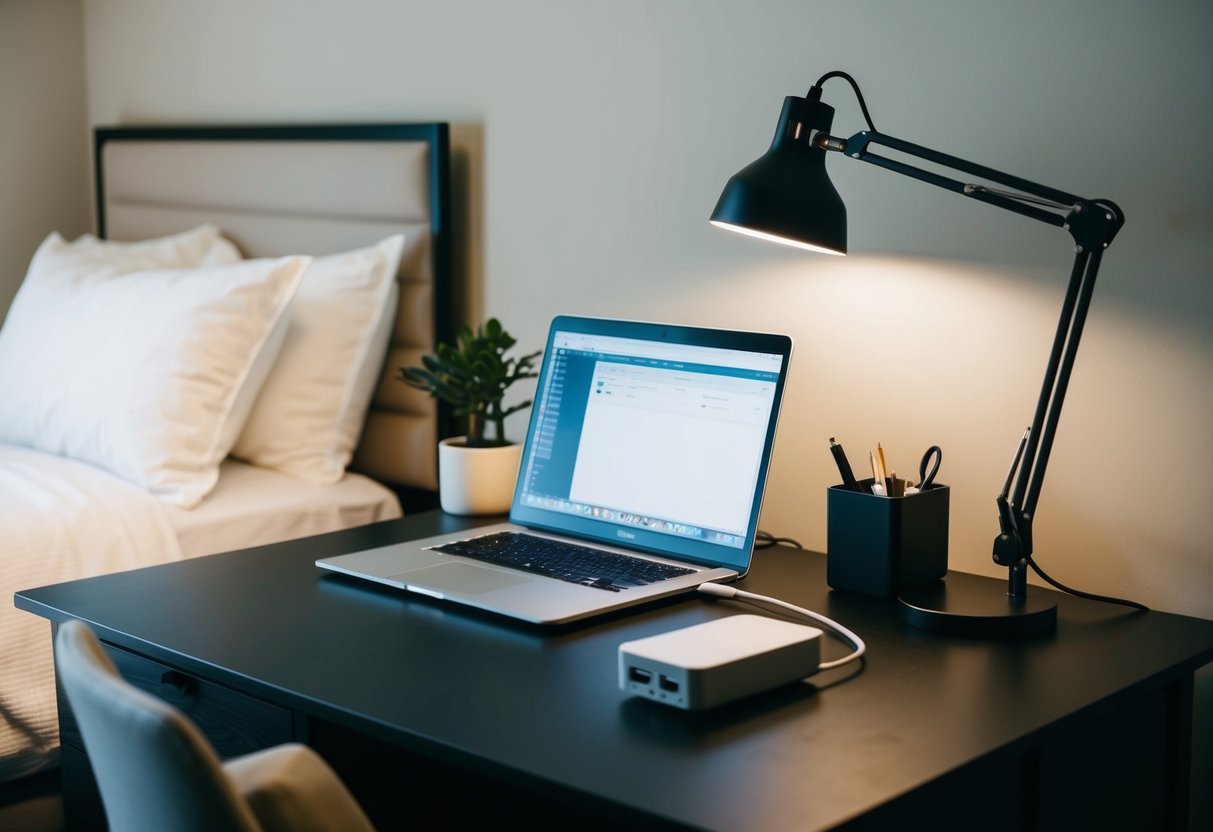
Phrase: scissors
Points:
(926, 477)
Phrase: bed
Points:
(224, 354)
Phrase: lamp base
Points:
(965, 609)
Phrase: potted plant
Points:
(476, 472)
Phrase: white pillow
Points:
(200, 246)
(308, 417)
(137, 371)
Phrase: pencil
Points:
(878, 472)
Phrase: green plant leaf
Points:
(473, 374)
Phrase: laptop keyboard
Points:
(565, 561)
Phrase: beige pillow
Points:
(308, 417)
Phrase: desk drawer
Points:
(234, 722)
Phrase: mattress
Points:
(254, 506)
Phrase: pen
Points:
(844, 466)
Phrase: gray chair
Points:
(156, 771)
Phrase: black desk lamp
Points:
(786, 196)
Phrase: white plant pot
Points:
(476, 480)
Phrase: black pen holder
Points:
(880, 545)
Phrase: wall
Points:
(43, 138)
(593, 139)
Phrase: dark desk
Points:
(425, 708)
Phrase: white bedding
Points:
(61, 520)
(254, 506)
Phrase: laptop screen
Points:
(653, 436)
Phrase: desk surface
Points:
(540, 708)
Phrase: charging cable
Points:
(723, 591)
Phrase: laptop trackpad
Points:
(462, 578)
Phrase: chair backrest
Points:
(154, 768)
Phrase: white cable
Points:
(723, 591)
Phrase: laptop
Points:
(641, 477)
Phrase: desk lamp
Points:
(786, 196)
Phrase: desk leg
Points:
(1180, 696)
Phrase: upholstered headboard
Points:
(316, 190)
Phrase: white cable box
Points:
(719, 661)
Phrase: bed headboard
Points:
(319, 189)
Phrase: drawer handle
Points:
(178, 681)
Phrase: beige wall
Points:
(593, 139)
(596, 137)
(43, 139)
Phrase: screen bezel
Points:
(644, 540)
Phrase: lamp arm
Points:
(1013, 547)
(1092, 223)
(1057, 378)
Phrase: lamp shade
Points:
(785, 195)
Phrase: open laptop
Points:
(647, 443)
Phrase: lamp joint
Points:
(1013, 546)
(824, 141)
(1092, 229)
